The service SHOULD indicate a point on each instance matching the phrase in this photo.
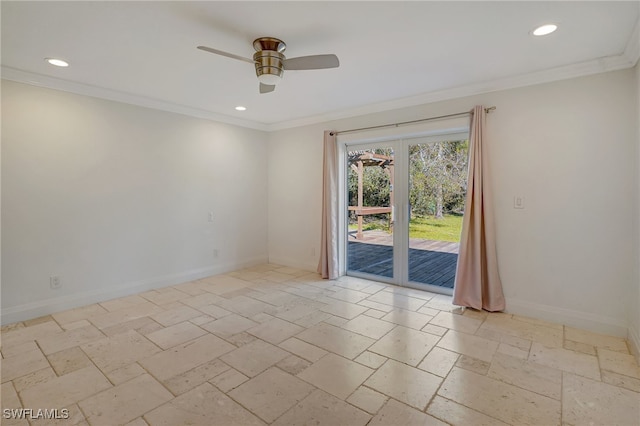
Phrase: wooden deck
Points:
(430, 262)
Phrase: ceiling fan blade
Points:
(228, 55)
(266, 88)
(313, 62)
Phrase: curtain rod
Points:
(487, 110)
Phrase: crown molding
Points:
(627, 59)
(40, 80)
(581, 69)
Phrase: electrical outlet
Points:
(55, 282)
(215, 253)
(518, 202)
(210, 216)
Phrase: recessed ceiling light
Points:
(57, 62)
(544, 29)
(241, 108)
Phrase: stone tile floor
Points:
(276, 345)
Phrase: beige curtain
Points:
(477, 282)
(328, 265)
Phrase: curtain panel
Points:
(328, 265)
(477, 284)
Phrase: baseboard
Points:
(633, 337)
(310, 266)
(50, 306)
(587, 321)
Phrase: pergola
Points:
(358, 161)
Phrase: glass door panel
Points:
(437, 191)
(370, 239)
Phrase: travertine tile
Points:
(32, 379)
(271, 393)
(255, 357)
(10, 401)
(241, 339)
(122, 303)
(293, 365)
(228, 380)
(67, 389)
(68, 339)
(517, 342)
(214, 310)
(137, 422)
(20, 335)
(466, 344)
(143, 325)
(303, 349)
(618, 362)
(69, 360)
(229, 325)
(376, 305)
(407, 318)
(587, 401)
(406, 384)
(550, 337)
(368, 326)
(374, 313)
(186, 356)
(397, 413)
(580, 347)
(528, 375)
(513, 351)
(23, 364)
(343, 309)
(202, 300)
(439, 361)
(456, 414)
(565, 360)
(612, 343)
(323, 409)
(370, 359)
(9, 351)
(38, 320)
(124, 374)
(120, 350)
(336, 375)
(434, 329)
(337, 321)
(348, 295)
(75, 324)
(537, 321)
(175, 335)
(336, 340)
(204, 405)
(405, 345)
(246, 306)
(367, 399)
(125, 402)
(455, 322)
(275, 330)
(125, 314)
(77, 314)
(176, 315)
(195, 377)
(164, 295)
(489, 396)
(621, 380)
(473, 364)
(442, 302)
(398, 300)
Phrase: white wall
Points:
(634, 293)
(114, 199)
(568, 147)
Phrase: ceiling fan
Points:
(271, 63)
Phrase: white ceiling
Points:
(391, 53)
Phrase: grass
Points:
(426, 228)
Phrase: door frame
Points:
(400, 143)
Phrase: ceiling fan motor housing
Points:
(268, 58)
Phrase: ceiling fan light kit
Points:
(270, 62)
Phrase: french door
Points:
(403, 205)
